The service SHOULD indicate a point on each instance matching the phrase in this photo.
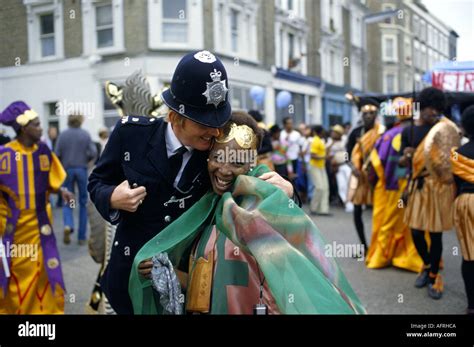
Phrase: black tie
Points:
(175, 162)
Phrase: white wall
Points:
(71, 81)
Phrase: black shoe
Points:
(435, 290)
(67, 235)
(422, 279)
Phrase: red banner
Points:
(455, 81)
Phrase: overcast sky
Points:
(459, 15)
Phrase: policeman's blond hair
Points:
(164, 111)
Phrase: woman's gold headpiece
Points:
(242, 134)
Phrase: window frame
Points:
(235, 18)
(416, 26)
(246, 20)
(408, 50)
(104, 27)
(385, 82)
(394, 57)
(388, 7)
(195, 27)
(51, 118)
(89, 28)
(46, 36)
(34, 11)
(175, 21)
(417, 54)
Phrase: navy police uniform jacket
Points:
(136, 151)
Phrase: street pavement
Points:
(382, 291)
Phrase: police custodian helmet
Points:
(199, 90)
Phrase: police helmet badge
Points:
(205, 57)
(216, 90)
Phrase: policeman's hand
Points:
(144, 268)
(126, 198)
(278, 181)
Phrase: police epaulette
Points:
(138, 120)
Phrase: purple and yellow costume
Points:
(27, 176)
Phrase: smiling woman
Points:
(243, 248)
(233, 151)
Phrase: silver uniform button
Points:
(116, 243)
(134, 185)
(167, 219)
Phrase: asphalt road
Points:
(382, 291)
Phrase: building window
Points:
(291, 51)
(281, 38)
(240, 99)
(175, 24)
(332, 64)
(234, 30)
(221, 15)
(416, 54)
(390, 83)
(388, 7)
(356, 31)
(424, 58)
(290, 5)
(356, 72)
(407, 52)
(249, 31)
(295, 7)
(52, 116)
(104, 26)
(47, 35)
(430, 35)
(297, 112)
(332, 25)
(45, 30)
(178, 24)
(291, 42)
(408, 82)
(390, 48)
(423, 30)
(416, 26)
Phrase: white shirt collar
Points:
(172, 142)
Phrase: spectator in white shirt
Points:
(338, 160)
(292, 138)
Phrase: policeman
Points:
(154, 169)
